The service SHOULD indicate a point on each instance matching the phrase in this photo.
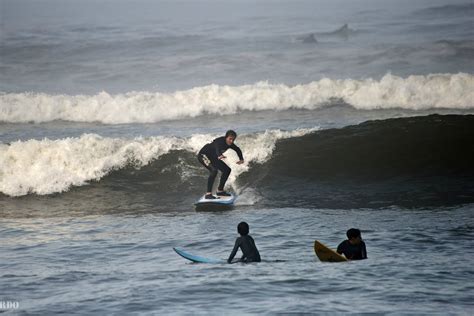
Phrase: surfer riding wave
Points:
(211, 155)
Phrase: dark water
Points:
(411, 162)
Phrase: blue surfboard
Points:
(222, 200)
(197, 259)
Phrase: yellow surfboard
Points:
(326, 254)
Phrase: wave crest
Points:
(53, 166)
(414, 93)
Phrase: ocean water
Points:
(419, 262)
(349, 114)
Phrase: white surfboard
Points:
(197, 259)
(222, 200)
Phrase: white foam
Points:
(50, 166)
(414, 92)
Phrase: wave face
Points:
(415, 161)
(412, 162)
(452, 91)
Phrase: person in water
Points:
(211, 155)
(246, 243)
(354, 247)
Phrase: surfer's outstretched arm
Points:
(238, 151)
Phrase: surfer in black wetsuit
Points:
(246, 243)
(211, 155)
(354, 247)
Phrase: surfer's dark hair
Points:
(231, 133)
(243, 228)
(353, 233)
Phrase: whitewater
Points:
(53, 166)
(450, 91)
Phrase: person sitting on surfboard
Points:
(246, 243)
(211, 155)
(354, 247)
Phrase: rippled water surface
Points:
(420, 262)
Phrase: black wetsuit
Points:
(208, 157)
(249, 250)
(352, 252)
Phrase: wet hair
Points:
(243, 228)
(231, 133)
(353, 233)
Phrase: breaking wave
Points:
(53, 166)
(412, 162)
(452, 91)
